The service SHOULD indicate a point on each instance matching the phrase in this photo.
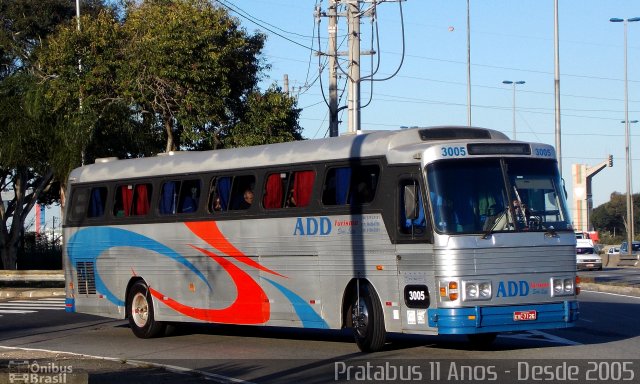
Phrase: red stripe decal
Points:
(210, 233)
(250, 307)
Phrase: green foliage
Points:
(190, 67)
(156, 75)
(610, 217)
(269, 118)
(25, 24)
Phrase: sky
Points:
(510, 40)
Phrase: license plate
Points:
(525, 315)
(589, 265)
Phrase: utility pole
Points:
(353, 14)
(556, 59)
(468, 65)
(353, 20)
(285, 82)
(333, 68)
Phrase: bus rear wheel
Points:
(140, 312)
(368, 320)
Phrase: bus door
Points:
(414, 255)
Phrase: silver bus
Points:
(440, 230)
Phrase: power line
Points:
(261, 23)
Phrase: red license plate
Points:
(525, 315)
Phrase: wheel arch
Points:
(350, 291)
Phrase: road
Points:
(606, 335)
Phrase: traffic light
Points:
(611, 160)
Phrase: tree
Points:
(611, 216)
(23, 167)
(189, 66)
(270, 117)
(180, 72)
(26, 126)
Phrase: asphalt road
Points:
(606, 336)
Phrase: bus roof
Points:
(398, 147)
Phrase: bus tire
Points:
(482, 340)
(368, 323)
(141, 314)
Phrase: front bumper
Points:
(471, 320)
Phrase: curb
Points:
(608, 288)
(17, 293)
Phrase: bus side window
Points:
(79, 201)
(168, 197)
(132, 200)
(274, 189)
(288, 189)
(179, 197)
(189, 196)
(219, 194)
(242, 186)
(97, 202)
(350, 185)
(141, 199)
(300, 194)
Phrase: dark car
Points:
(635, 247)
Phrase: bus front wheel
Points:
(368, 320)
(140, 311)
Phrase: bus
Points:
(439, 230)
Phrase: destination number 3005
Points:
(453, 151)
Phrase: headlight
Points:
(476, 290)
(562, 286)
(568, 286)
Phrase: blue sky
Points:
(510, 40)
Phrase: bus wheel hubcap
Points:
(361, 319)
(140, 310)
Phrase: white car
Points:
(613, 251)
(586, 258)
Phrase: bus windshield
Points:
(496, 195)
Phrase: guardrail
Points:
(629, 260)
(32, 278)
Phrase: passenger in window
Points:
(291, 201)
(247, 199)
(217, 204)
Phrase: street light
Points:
(627, 153)
(520, 82)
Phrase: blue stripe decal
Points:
(309, 317)
(90, 243)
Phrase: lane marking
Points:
(54, 301)
(142, 364)
(15, 311)
(31, 305)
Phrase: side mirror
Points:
(410, 202)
